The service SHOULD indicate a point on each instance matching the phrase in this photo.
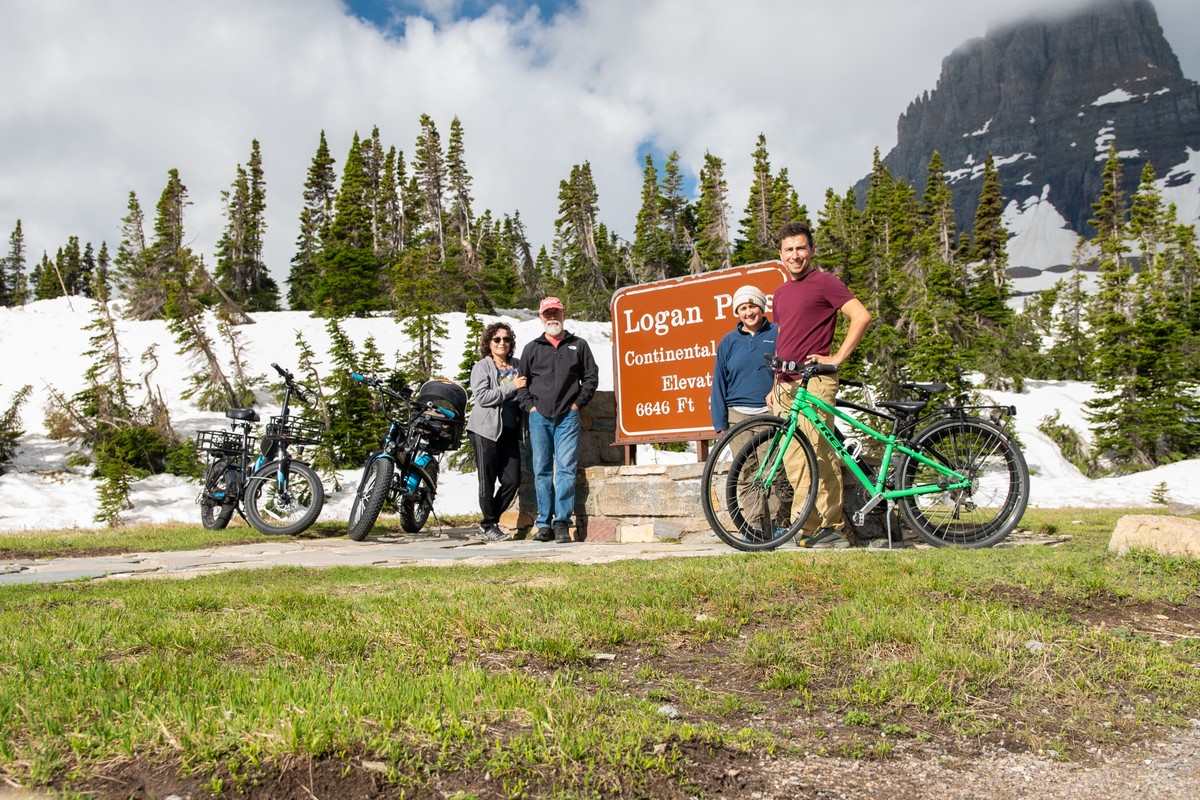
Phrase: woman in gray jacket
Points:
(494, 426)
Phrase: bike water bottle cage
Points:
(243, 414)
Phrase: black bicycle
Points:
(272, 490)
(404, 471)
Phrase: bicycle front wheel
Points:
(284, 506)
(745, 489)
(983, 513)
(372, 489)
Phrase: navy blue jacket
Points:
(737, 379)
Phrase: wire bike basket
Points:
(296, 430)
(219, 443)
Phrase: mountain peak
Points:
(1046, 97)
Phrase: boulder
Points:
(1168, 536)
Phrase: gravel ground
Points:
(1168, 769)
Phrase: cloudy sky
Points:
(103, 97)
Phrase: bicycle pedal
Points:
(858, 518)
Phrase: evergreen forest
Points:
(389, 232)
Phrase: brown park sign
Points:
(665, 337)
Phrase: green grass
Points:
(452, 674)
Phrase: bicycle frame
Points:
(809, 406)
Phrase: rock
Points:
(1168, 536)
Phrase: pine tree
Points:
(349, 282)
(13, 290)
(887, 256)
(355, 420)
(389, 212)
(758, 240)
(102, 282)
(240, 271)
(133, 274)
(1071, 354)
(10, 426)
(87, 272)
(651, 250)
(209, 386)
(785, 203)
(1111, 314)
(994, 343)
(316, 217)
(678, 219)
(458, 185)
(171, 258)
(323, 458)
(712, 217)
(429, 172)
(934, 313)
(577, 255)
(989, 251)
(47, 284)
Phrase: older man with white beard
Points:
(561, 378)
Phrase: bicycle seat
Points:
(904, 406)
(244, 414)
(925, 388)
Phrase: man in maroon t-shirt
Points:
(806, 308)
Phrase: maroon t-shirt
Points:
(806, 313)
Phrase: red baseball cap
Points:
(548, 303)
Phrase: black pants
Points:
(498, 461)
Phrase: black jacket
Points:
(558, 376)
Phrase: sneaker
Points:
(824, 539)
(543, 535)
(482, 532)
(494, 534)
(562, 534)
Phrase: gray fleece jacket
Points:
(489, 397)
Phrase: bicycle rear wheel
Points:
(748, 505)
(288, 508)
(218, 499)
(980, 515)
(372, 490)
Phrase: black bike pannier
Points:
(444, 416)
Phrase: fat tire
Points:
(261, 503)
(368, 500)
(215, 515)
(727, 483)
(984, 514)
(415, 509)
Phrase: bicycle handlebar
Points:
(290, 381)
(804, 370)
(374, 383)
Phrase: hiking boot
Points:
(493, 534)
(543, 535)
(824, 539)
(562, 533)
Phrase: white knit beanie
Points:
(749, 294)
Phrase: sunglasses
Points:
(501, 340)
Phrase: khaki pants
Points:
(828, 510)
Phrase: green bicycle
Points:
(956, 474)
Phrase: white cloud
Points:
(105, 96)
